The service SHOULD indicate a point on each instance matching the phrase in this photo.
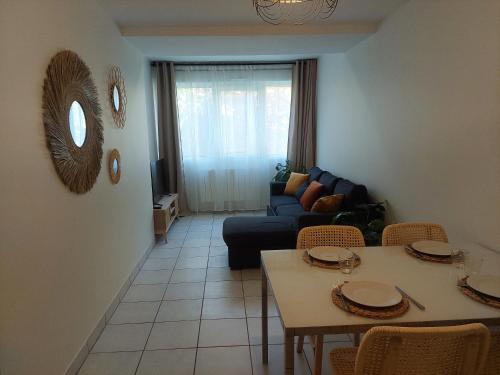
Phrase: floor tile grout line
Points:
(187, 347)
(169, 282)
(156, 315)
(201, 311)
(108, 323)
(246, 322)
(199, 326)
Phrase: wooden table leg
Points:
(318, 355)
(289, 352)
(264, 317)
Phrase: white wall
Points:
(413, 112)
(63, 257)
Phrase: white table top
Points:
(303, 292)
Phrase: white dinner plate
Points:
(372, 293)
(486, 284)
(433, 248)
(329, 253)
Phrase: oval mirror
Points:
(117, 96)
(114, 166)
(116, 99)
(77, 124)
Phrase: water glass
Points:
(473, 264)
(346, 263)
(458, 260)
(466, 263)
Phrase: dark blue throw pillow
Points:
(300, 191)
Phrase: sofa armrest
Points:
(311, 219)
(277, 188)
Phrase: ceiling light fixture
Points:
(297, 12)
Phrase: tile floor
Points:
(187, 313)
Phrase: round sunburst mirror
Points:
(72, 121)
(117, 97)
(114, 166)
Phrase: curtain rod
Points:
(215, 63)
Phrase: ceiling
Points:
(227, 12)
(187, 29)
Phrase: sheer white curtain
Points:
(233, 123)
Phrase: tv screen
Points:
(158, 180)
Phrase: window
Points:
(234, 129)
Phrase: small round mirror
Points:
(77, 125)
(116, 99)
(114, 166)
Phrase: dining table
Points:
(303, 292)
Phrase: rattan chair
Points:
(407, 233)
(330, 235)
(326, 235)
(492, 366)
(457, 350)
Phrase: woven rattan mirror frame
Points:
(115, 80)
(114, 176)
(68, 79)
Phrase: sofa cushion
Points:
(314, 173)
(353, 194)
(281, 200)
(277, 187)
(312, 193)
(247, 236)
(256, 230)
(328, 204)
(300, 191)
(291, 210)
(294, 182)
(329, 181)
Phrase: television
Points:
(158, 180)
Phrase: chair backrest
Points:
(457, 350)
(407, 233)
(492, 365)
(330, 235)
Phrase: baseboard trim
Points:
(82, 354)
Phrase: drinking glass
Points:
(473, 264)
(458, 260)
(346, 263)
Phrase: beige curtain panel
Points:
(302, 133)
(168, 131)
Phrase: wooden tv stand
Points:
(165, 216)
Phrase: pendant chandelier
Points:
(296, 12)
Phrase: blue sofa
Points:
(246, 237)
(287, 205)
